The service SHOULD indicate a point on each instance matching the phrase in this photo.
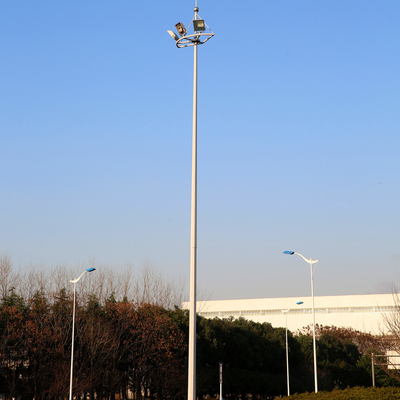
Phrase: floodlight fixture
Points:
(199, 25)
(173, 35)
(180, 28)
(202, 33)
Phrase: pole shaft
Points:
(220, 381)
(72, 348)
(193, 247)
(373, 370)
(287, 360)
(314, 341)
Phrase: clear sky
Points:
(298, 141)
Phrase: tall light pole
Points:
(311, 262)
(201, 34)
(74, 281)
(287, 349)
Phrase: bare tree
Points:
(59, 277)
(8, 278)
(33, 280)
(389, 360)
(147, 285)
(152, 287)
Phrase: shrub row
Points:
(356, 393)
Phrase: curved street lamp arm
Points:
(80, 276)
(77, 279)
(310, 261)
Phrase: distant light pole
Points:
(200, 36)
(74, 281)
(220, 381)
(311, 262)
(287, 349)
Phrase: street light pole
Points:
(74, 281)
(287, 349)
(287, 359)
(200, 36)
(311, 262)
(193, 245)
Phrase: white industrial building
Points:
(365, 313)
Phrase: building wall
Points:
(365, 313)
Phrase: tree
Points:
(38, 340)
(13, 361)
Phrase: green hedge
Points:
(356, 393)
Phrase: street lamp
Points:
(200, 36)
(287, 349)
(311, 262)
(74, 281)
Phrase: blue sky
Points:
(298, 141)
